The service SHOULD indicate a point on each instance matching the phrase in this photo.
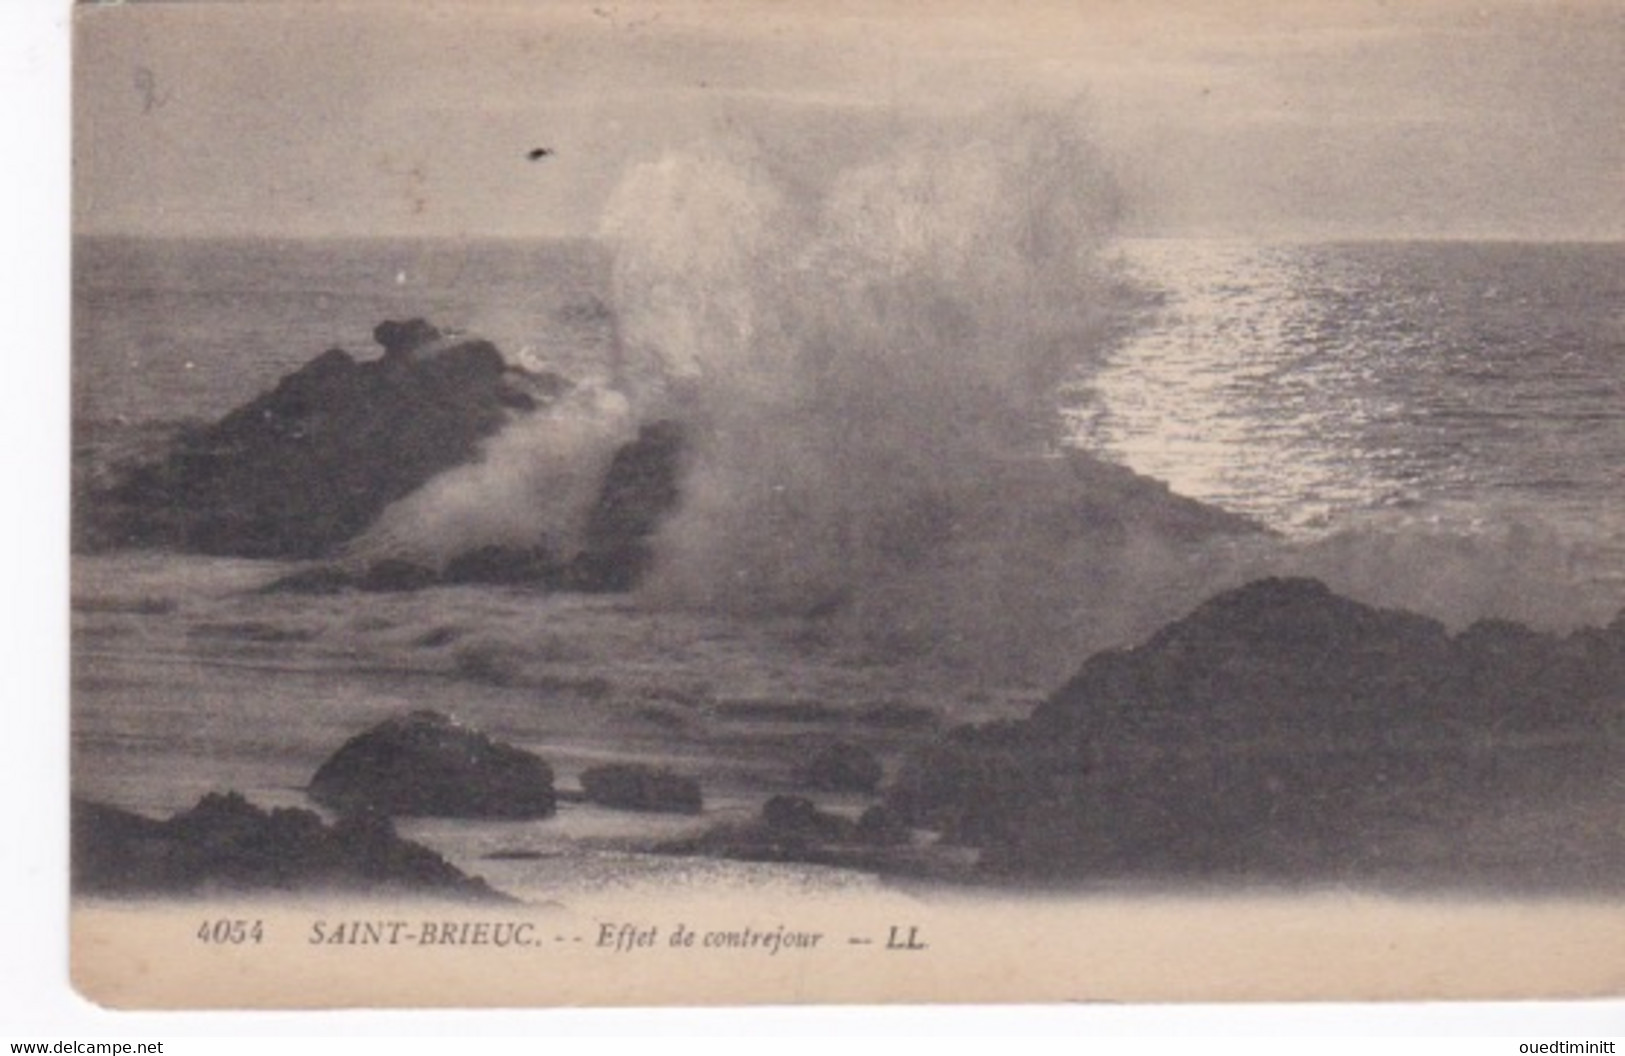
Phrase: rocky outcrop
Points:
(1279, 730)
(633, 786)
(639, 490)
(977, 785)
(426, 764)
(1287, 659)
(226, 844)
(308, 465)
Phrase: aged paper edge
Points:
(1328, 947)
(1331, 947)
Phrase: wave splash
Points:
(871, 363)
(866, 359)
(534, 485)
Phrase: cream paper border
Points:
(977, 950)
(1326, 947)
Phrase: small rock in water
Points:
(799, 819)
(632, 786)
(428, 765)
(882, 827)
(841, 767)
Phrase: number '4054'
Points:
(231, 932)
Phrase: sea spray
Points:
(866, 357)
(533, 486)
(1459, 566)
(870, 366)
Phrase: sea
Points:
(1380, 408)
(1297, 383)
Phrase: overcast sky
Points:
(1301, 119)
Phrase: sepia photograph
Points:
(718, 502)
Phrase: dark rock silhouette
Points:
(1278, 730)
(425, 764)
(975, 784)
(633, 786)
(1287, 657)
(308, 465)
(882, 827)
(841, 766)
(226, 843)
(797, 819)
(639, 490)
(403, 340)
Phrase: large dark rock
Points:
(1282, 731)
(632, 786)
(227, 844)
(976, 783)
(308, 465)
(639, 490)
(425, 764)
(1288, 659)
(641, 486)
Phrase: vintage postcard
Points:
(729, 502)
